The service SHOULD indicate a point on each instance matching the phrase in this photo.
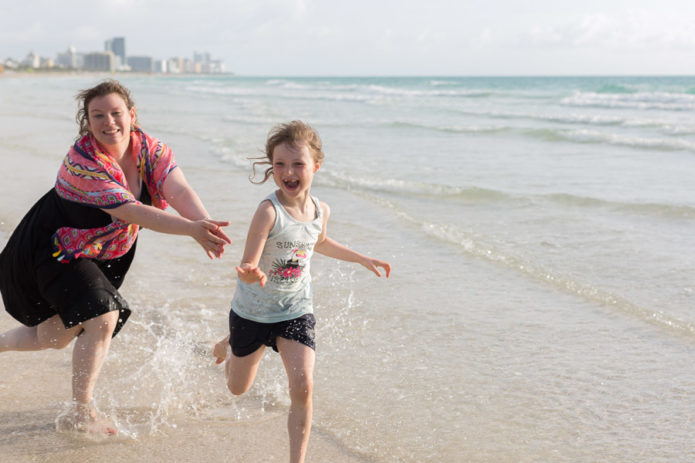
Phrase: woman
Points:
(62, 266)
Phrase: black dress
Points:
(35, 286)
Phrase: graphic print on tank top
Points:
(287, 271)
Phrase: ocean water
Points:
(541, 232)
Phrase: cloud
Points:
(636, 28)
(483, 39)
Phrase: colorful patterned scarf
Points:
(89, 176)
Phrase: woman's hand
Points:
(209, 234)
(251, 274)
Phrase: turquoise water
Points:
(541, 233)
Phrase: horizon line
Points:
(325, 76)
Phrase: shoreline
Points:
(86, 73)
(78, 72)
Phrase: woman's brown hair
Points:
(106, 87)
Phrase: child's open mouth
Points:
(292, 184)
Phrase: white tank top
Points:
(286, 261)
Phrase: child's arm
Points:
(331, 248)
(261, 224)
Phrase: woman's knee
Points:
(59, 343)
(103, 325)
(52, 334)
(56, 342)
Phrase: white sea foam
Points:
(438, 83)
(665, 125)
(641, 100)
(477, 246)
(398, 186)
(472, 194)
(578, 135)
(653, 143)
(225, 91)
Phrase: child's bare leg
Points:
(88, 357)
(49, 334)
(299, 363)
(220, 350)
(241, 371)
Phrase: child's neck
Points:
(301, 207)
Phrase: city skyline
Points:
(114, 58)
(389, 37)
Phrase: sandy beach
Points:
(540, 304)
(27, 429)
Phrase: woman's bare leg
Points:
(49, 334)
(299, 363)
(88, 357)
(89, 354)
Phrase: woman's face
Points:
(109, 120)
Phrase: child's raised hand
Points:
(373, 264)
(251, 274)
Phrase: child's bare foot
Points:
(220, 350)
(84, 418)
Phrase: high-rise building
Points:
(160, 65)
(116, 45)
(70, 59)
(100, 61)
(201, 58)
(32, 60)
(141, 63)
(178, 65)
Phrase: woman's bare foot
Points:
(220, 350)
(85, 418)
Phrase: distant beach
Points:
(96, 74)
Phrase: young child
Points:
(272, 305)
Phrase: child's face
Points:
(294, 168)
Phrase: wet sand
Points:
(35, 383)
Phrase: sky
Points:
(372, 37)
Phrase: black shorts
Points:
(77, 291)
(246, 336)
(87, 291)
